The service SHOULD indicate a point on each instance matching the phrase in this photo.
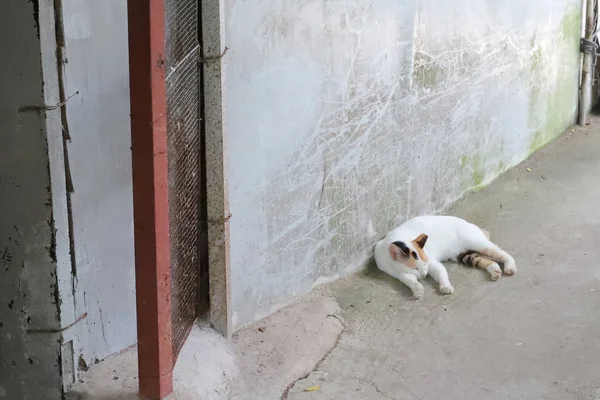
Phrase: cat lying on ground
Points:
(418, 247)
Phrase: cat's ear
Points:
(398, 249)
(421, 240)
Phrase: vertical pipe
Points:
(586, 73)
(150, 196)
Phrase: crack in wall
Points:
(102, 325)
(61, 59)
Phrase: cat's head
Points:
(411, 254)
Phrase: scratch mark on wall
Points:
(102, 325)
(323, 182)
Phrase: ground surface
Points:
(532, 336)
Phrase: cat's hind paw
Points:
(495, 271)
(510, 269)
(446, 289)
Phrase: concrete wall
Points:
(99, 157)
(95, 288)
(30, 354)
(343, 119)
(94, 281)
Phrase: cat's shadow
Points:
(372, 272)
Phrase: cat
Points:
(417, 248)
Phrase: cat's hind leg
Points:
(492, 251)
(474, 259)
(438, 271)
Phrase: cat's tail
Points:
(474, 259)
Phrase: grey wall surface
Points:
(29, 360)
(95, 288)
(343, 119)
(99, 157)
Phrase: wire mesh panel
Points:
(184, 154)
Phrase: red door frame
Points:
(150, 196)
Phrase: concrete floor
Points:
(532, 336)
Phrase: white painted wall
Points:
(99, 155)
(342, 119)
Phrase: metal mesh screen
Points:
(184, 154)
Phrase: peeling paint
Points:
(36, 16)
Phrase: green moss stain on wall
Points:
(473, 165)
(553, 103)
(558, 116)
(553, 95)
(570, 25)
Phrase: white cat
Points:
(418, 247)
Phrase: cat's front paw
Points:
(510, 269)
(446, 289)
(418, 291)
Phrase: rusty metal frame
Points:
(150, 196)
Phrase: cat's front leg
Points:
(438, 271)
(412, 282)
